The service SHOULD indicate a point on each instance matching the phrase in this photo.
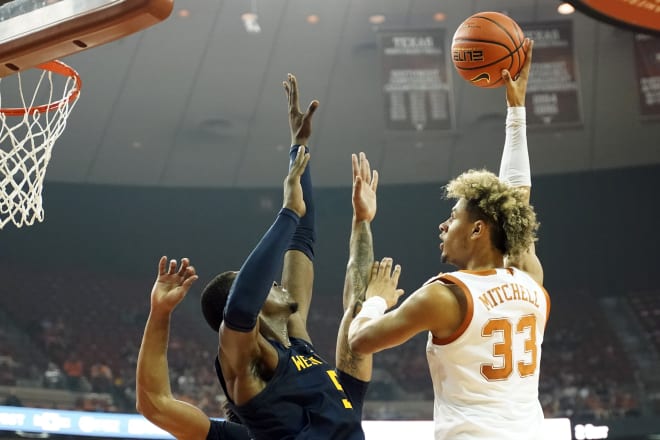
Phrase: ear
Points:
(479, 229)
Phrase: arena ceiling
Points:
(197, 101)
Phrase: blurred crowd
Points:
(90, 351)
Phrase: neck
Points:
(275, 328)
(485, 259)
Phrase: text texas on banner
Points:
(552, 91)
(647, 61)
(416, 80)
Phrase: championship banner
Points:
(552, 90)
(647, 61)
(416, 80)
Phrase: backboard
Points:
(36, 31)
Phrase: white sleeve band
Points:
(373, 308)
(514, 168)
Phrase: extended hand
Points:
(516, 89)
(300, 123)
(365, 184)
(384, 282)
(171, 285)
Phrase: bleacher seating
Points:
(100, 318)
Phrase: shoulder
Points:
(446, 303)
(439, 304)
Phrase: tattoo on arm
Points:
(360, 261)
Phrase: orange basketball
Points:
(486, 43)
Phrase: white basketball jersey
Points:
(486, 375)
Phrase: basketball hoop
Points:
(28, 131)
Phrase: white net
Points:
(28, 131)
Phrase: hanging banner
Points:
(552, 91)
(647, 61)
(416, 80)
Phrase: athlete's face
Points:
(455, 235)
(279, 301)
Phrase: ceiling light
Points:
(377, 19)
(565, 9)
(313, 19)
(439, 16)
(250, 22)
(183, 13)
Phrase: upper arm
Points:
(298, 280)
(433, 307)
(238, 352)
(528, 261)
(181, 419)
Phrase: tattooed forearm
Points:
(360, 261)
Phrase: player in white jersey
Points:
(486, 320)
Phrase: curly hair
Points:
(502, 206)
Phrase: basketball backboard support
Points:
(36, 31)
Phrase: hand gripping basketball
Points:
(484, 45)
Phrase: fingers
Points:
(374, 269)
(356, 166)
(374, 181)
(184, 266)
(385, 270)
(189, 281)
(292, 90)
(287, 90)
(524, 72)
(311, 109)
(184, 270)
(300, 163)
(365, 168)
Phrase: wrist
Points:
(357, 221)
(373, 308)
(516, 111)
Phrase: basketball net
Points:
(28, 132)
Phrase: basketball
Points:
(483, 45)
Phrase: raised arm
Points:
(240, 343)
(514, 167)
(358, 270)
(154, 395)
(298, 268)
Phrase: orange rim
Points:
(59, 68)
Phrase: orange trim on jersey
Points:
(547, 302)
(468, 313)
(547, 305)
(483, 273)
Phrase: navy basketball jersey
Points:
(303, 400)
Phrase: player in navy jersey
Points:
(277, 385)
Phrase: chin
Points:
(293, 307)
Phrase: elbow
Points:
(147, 405)
(358, 342)
(142, 406)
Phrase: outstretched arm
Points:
(154, 396)
(239, 332)
(298, 269)
(358, 270)
(514, 167)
